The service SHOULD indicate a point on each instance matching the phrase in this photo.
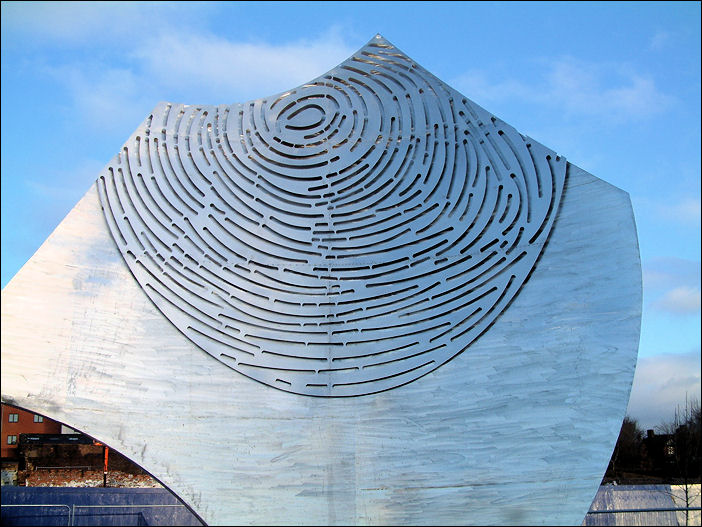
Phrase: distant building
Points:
(16, 421)
(658, 453)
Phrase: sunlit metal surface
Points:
(104, 328)
(342, 238)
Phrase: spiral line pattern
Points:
(339, 239)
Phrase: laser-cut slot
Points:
(272, 314)
(234, 358)
(499, 151)
(336, 370)
(436, 219)
(223, 340)
(375, 353)
(160, 176)
(555, 194)
(281, 190)
(459, 324)
(320, 288)
(248, 324)
(475, 266)
(108, 212)
(419, 295)
(372, 244)
(257, 250)
(320, 187)
(262, 367)
(175, 304)
(478, 235)
(459, 307)
(185, 174)
(285, 200)
(287, 238)
(137, 149)
(507, 209)
(288, 212)
(171, 171)
(326, 344)
(289, 225)
(215, 208)
(326, 129)
(270, 242)
(300, 357)
(130, 233)
(401, 202)
(492, 308)
(272, 288)
(154, 203)
(343, 194)
(385, 377)
(408, 357)
(174, 269)
(297, 157)
(219, 278)
(528, 172)
(406, 324)
(339, 201)
(391, 337)
(271, 322)
(488, 245)
(539, 188)
(213, 241)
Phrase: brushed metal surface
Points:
(342, 238)
(517, 429)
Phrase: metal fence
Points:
(46, 514)
(56, 514)
(650, 516)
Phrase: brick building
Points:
(16, 421)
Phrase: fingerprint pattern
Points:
(342, 238)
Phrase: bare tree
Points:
(626, 455)
(685, 449)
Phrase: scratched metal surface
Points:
(342, 238)
(518, 428)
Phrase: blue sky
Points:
(612, 86)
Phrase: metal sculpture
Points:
(340, 239)
(375, 240)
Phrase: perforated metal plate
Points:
(339, 239)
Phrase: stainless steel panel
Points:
(341, 238)
(517, 427)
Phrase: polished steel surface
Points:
(342, 238)
(516, 429)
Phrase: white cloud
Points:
(224, 70)
(681, 300)
(674, 210)
(67, 24)
(661, 383)
(668, 273)
(686, 211)
(575, 87)
(104, 98)
(192, 68)
(672, 285)
(660, 40)
(477, 86)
